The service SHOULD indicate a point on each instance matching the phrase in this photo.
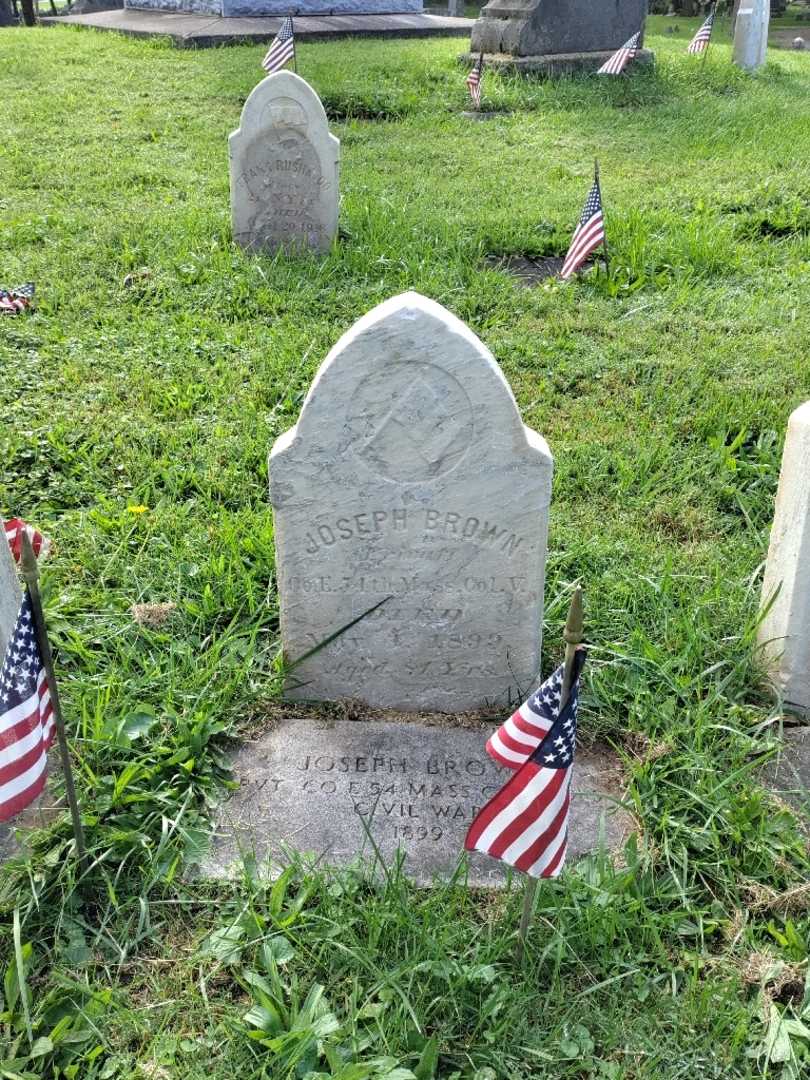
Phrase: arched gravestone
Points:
(411, 482)
(10, 595)
(284, 169)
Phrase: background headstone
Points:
(785, 631)
(284, 169)
(10, 594)
(321, 789)
(411, 479)
(556, 36)
(751, 34)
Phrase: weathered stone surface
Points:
(410, 481)
(86, 7)
(784, 633)
(545, 27)
(284, 169)
(310, 788)
(751, 34)
(319, 7)
(789, 774)
(10, 595)
(199, 31)
(239, 8)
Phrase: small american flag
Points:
(589, 234)
(14, 529)
(14, 301)
(282, 49)
(700, 42)
(474, 81)
(622, 57)
(526, 823)
(27, 725)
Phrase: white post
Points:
(785, 631)
(751, 34)
(10, 594)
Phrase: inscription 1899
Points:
(410, 507)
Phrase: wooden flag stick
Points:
(30, 572)
(573, 634)
(604, 224)
(295, 51)
(480, 78)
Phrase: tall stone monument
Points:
(411, 497)
(785, 631)
(284, 169)
(556, 37)
(751, 34)
(10, 595)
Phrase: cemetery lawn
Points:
(138, 405)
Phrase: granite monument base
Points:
(555, 65)
(350, 792)
(554, 27)
(230, 9)
(188, 30)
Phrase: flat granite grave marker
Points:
(323, 789)
(284, 167)
(784, 632)
(410, 482)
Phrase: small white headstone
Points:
(284, 169)
(410, 476)
(785, 630)
(10, 595)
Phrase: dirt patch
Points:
(527, 269)
(269, 713)
(784, 38)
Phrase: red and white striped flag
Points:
(622, 57)
(282, 48)
(15, 301)
(589, 234)
(14, 529)
(526, 823)
(474, 81)
(27, 726)
(700, 42)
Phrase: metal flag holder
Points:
(598, 180)
(30, 572)
(573, 634)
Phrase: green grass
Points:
(663, 390)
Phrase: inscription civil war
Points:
(410, 486)
(284, 168)
(348, 791)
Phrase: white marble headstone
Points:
(411, 479)
(10, 595)
(785, 630)
(284, 169)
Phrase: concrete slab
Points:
(202, 31)
(340, 791)
(789, 774)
